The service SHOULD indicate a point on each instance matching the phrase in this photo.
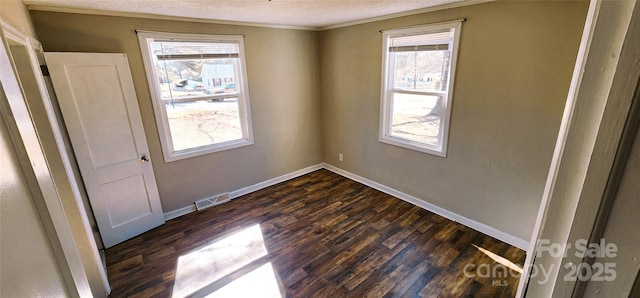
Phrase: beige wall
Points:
(283, 74)
(16, 13)
(513, 73)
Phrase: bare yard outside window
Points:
(204, 122)
(419, 65)
(414, 118)
(200, 92)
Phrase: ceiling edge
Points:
(162, 17)
(237, 23)
(406, 13)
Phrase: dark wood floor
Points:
(325, 236)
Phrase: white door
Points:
(100, 110)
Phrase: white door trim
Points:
(33, 161)
(55, 208)
(599, 100)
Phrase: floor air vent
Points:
(210, 202)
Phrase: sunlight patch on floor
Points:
(501, 260)
(261, 282)
(204, 266)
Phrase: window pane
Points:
(416, 118)
(180, 79)
(203, 122)
(420, 70)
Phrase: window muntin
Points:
(199, 90)
(418, 72)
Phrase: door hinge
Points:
(45, 70)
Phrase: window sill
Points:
(433, 150)
(198, 151)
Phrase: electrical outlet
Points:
(340, 157)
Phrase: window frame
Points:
(145, 38)
(387, 90)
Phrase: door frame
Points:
(78, 268)
(598, 105)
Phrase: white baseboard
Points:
(480, 227)
(246, 190)
(258, 186)
(179, 212)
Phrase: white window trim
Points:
(385, 102)
(144, 38)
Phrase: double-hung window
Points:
(198, 85)
(417, 86)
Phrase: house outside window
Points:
(198, 85)
(417, 86)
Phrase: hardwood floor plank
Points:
(389, 281)
(324, 236)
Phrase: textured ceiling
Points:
(295, 13)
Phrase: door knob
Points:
(144, 158)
